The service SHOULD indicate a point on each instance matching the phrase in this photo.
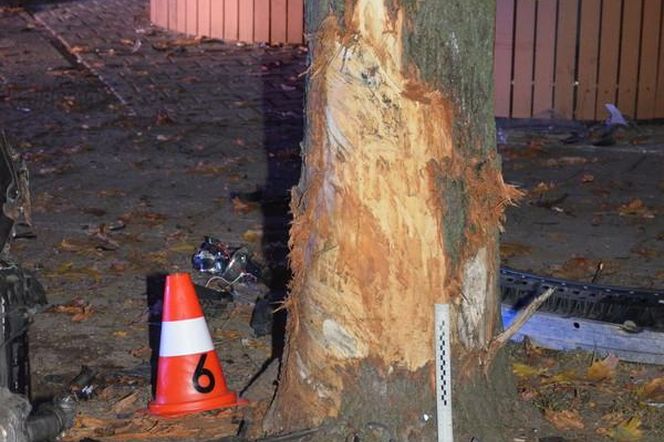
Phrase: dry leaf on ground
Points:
(78, 308)
(636, 207)
(69, 270)
(653, 390)
(577, 268)
(242, 207)
(565, 161)
(541, 188)
(508, 250)
(252, 235)
(564, 420)
(627, 431)
(526, 371)
(604, 369)
(587, 178)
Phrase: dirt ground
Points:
(141, 142)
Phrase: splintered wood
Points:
(375, 135)
(368, 241)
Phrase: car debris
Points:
(227, 265)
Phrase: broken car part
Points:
(227, 265)
(49, 421)
(603, 319)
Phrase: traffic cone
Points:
(189, 376)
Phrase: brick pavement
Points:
(234, 125)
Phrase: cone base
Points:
(179, 409)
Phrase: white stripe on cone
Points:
(185, 337)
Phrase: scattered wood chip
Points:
(126, 403)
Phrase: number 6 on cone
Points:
(189, 376)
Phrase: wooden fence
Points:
(561, 58)
(274, 21)
(570, 57)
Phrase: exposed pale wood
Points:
(545, 45)
(217, 18)
(231, 17)
(608, 56)
(652, 11)
(629, 58)
(503, 57)
(397, 209)
(524, 46)
(563, 97)
(204, 18)
(246, 21)
(295, 21)
(192, 17)
(278, 19)
(588, 59)
(262, 20)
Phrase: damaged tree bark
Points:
(398, 208)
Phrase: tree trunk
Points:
(398, 208)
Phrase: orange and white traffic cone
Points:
(189, 376)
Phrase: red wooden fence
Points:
(567, 58)
(561, 58)
(275, 21)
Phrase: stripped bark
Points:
(397, 209)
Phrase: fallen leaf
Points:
(564, 377)
(509, 250)
(653, 390)
(576, 268)
(77, 307)
(541, 188)
(78, 49)
(252, 235)
(526, 371)
(564, 420)
(627, 431)
(565, 161)
(613, 418)
(604, 369)
(636, 207)
(242, 207)
(69, 270)
(181, 248)
(587, 178)
(125, 403)
(141, 352)
(120, 334)
(119, 266)
(143, 217)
